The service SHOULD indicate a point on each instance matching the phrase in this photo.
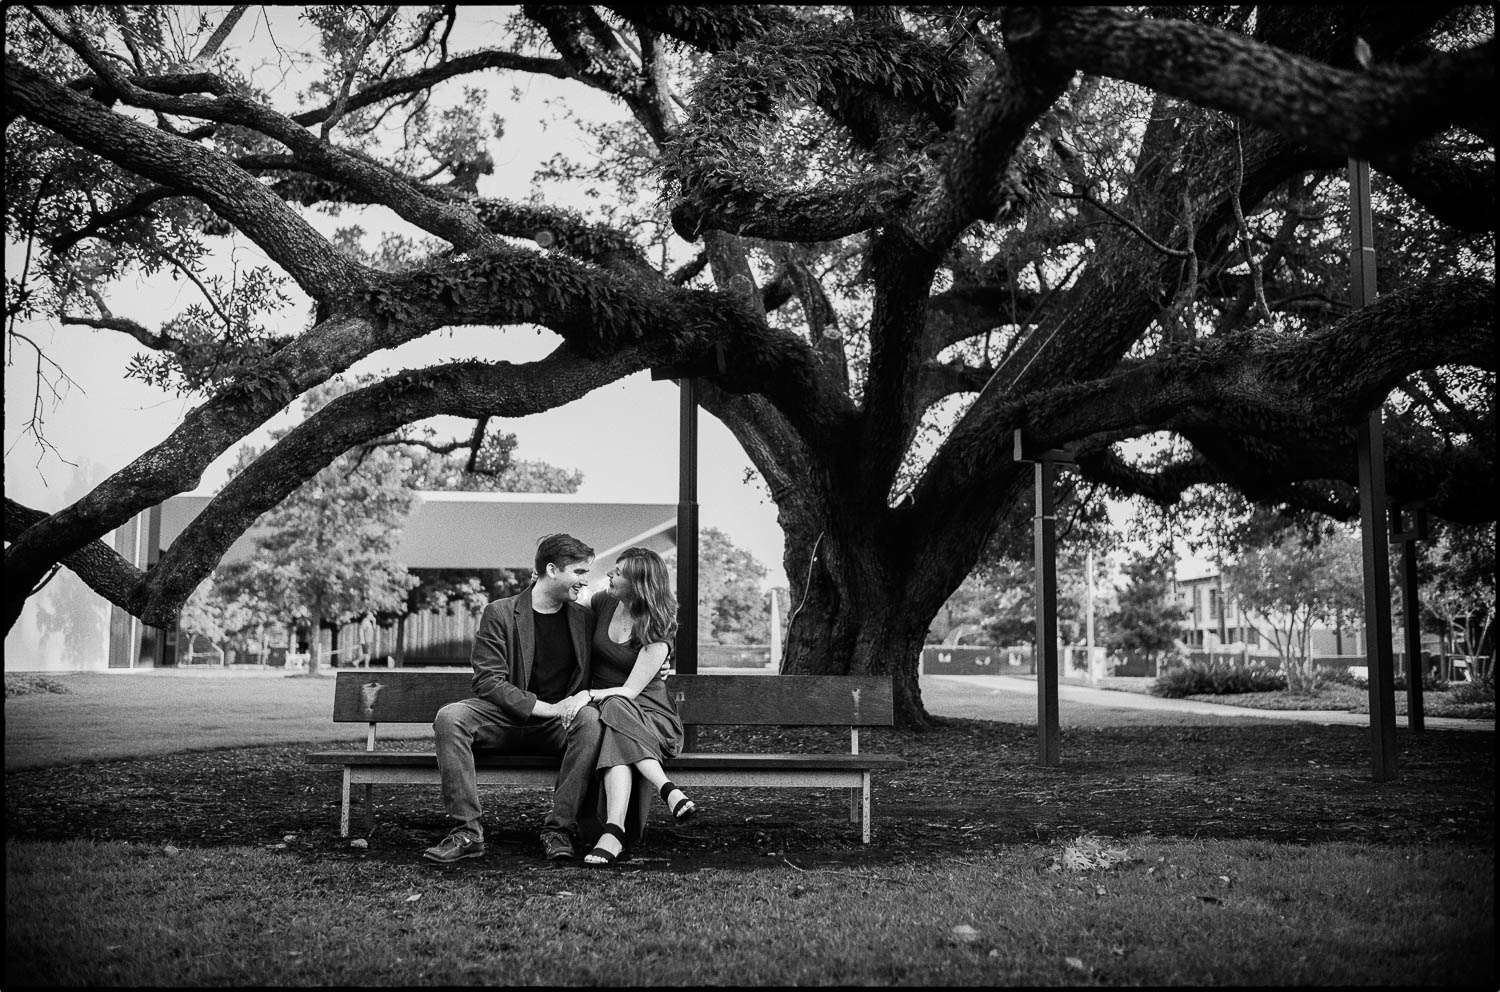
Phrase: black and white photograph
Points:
(750, 496)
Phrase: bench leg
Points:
(865, 809)
(369, 809)
(344, 807)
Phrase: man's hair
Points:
(561, 550)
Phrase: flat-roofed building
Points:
(445, 530)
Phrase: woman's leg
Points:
(681, 806)
(616, 803)
(653, 771)
(617, 793)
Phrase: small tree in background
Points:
(328, 551)
(999, 595)
(1005, 596)
(1285, 588)
(732, 609)
(1147, 620)
(1458, 592)
(218, 619)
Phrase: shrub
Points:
(1481, 690)
(1430, 683)
(25, 685)
(1339, 675)
(1216, 679)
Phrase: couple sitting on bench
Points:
(552, 676)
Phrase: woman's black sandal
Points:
(599, 856)
(684, 810)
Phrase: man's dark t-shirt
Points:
(554, 662)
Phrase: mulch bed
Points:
(970, 786)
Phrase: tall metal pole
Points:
(1370, 455)
(687, 531)
(1088, 610)
(687, 542)
(1044, 541)
(686, 374)
(1408, 526)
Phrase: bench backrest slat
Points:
(396, 697)
(782, 700)
(758, 700)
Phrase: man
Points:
(366, 640)
(531, 668)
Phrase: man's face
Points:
(568, 581)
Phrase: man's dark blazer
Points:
(505, 647)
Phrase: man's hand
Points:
(666, 668)
(568, 708)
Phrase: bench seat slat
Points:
(769, 776)
(695, 759)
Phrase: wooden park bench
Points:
(380, 697)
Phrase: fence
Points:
(1347, 662)
(432, 639)
(734, 655)
(943, 659)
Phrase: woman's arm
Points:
(647, 667)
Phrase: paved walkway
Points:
(1011, 699)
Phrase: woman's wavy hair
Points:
(652, 606)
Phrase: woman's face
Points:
(619, 585)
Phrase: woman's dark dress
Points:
(634, 729)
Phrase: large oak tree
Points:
(1088, 224)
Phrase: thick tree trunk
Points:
(867, 581)
(848, 615)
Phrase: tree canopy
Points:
(913, 231)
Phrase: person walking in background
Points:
(635, 626)
(366, 640)
(531, 669)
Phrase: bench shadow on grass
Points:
(970, 786)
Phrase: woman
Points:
(634, 628)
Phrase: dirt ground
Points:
(970, 785)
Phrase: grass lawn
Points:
(1136, 911)
(1232, 853)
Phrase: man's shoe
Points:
(557, 846)
(456, 846)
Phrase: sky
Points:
(623, 438)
